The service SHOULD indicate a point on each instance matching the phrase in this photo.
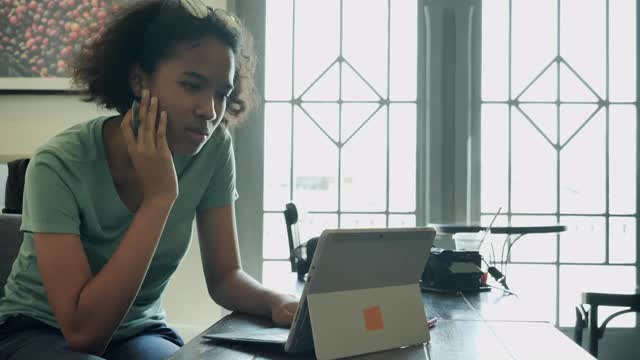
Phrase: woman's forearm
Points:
(238, 291)
(106, 298)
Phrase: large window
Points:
(408, 112)
(559, 144)
(340, 116)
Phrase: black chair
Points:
(11, 218)
(10, 242)
(584, 315)
(300, 254)
(14, 188)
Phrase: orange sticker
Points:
(373, 318)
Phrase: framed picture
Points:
(38, 38)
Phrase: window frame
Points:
(448, 144)
(437, 201)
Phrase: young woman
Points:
(109, 205)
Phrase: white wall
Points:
(189, 308)
(27, 121)
(30, 120)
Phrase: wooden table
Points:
(486, 325)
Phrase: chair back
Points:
(11, 218)
(14, 189)
(587, 317)
(293, 232)
(10, 242)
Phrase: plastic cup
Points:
(468, 241)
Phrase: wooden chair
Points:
(584, 315)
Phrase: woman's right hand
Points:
(150, 152)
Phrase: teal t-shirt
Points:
(69, 189)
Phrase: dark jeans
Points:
(25, 338)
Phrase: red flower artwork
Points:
(38, 38)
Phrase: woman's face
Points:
(192, 87)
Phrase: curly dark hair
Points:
(148, 32)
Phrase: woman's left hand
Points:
(283, 308)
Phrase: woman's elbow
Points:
(85, 343)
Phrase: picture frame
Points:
(38, 38)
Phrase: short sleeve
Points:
(221, 189)
(49, 205)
